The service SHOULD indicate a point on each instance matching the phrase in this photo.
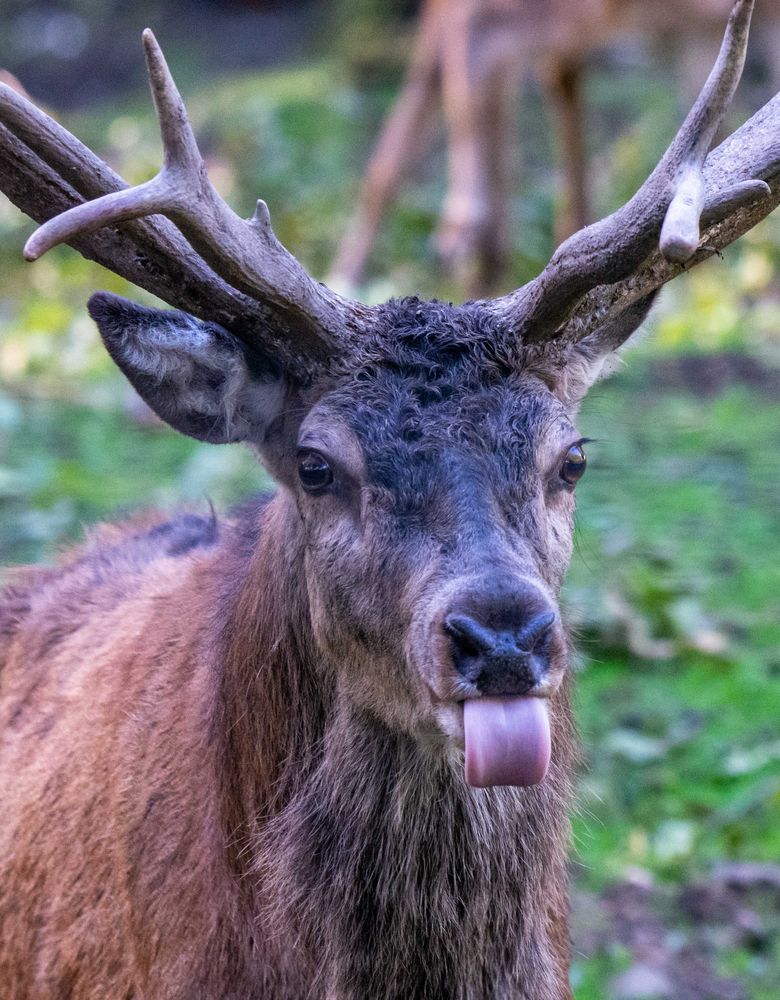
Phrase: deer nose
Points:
(509, 658)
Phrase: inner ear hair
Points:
(196, 376)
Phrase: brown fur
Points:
(189, 811)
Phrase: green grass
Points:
(64, 466)
(678, 534)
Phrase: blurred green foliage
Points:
(676, 580)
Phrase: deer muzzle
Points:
(506, 649)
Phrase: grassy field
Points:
(678, 586)
(675, 585)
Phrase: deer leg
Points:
(404, 140)
(479, 83)
(564, 85)
(502, 154)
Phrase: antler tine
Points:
(245, 253)
(180, 148)
(673, 195)
(602, 316)
(680, 231)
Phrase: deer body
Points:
(253, 871)
(322, 749)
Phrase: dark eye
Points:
(574, 465)
(314, 472)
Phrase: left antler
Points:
(245, 254)
(609, 267)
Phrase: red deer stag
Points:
(322, 748)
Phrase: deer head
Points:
(427, 453)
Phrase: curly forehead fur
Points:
(448, 347)
(432, 375)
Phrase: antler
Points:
(249, 267)
(645, 243)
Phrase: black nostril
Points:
(536, 634)
(468, 635)
(505, 653)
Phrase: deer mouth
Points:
(495, 703)
(507, 740)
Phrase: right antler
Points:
(580, 287)
(256, 271)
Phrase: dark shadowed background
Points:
(674, 587)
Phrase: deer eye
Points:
(574, 464)
(314, 472)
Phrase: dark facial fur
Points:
(446, 452)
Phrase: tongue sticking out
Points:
(507, 741)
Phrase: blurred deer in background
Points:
(323, 747)
(468, 64)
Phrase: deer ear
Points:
(594, 357)
(196, 376)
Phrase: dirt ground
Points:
(679, 941)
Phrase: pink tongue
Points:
(507, 741)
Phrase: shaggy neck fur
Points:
(380, 873)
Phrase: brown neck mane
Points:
(319, 799)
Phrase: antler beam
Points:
(250, 274)
(46, 171)
(754, 149)
(658, 229)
